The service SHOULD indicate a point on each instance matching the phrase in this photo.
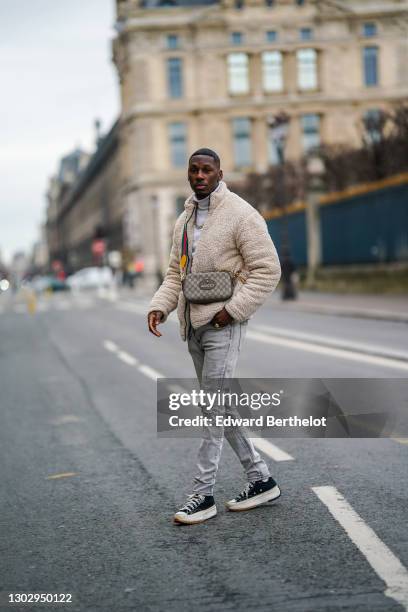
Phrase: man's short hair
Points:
(209, 153)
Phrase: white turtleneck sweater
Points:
(202, 213)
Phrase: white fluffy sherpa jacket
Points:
(234, 237)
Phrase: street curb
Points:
(382, 315)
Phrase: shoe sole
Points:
(262, 498)
(201, 517)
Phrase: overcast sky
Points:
(56, 77)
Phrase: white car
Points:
(91, 278)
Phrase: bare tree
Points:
(383, 152)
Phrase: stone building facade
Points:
(86, 204)
(202, 73)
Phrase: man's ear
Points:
(220, 175)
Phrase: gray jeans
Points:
(215, 354)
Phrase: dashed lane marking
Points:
(150, 372)
(132, 361)
(110, 346)
(126, 358)
(273, 451)
(383, 561)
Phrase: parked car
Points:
(91, 278)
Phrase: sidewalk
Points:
(383, 307)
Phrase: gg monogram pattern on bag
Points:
(207, 287)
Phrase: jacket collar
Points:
(216, 198)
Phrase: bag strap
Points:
(185, 257)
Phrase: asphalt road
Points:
(88, 489)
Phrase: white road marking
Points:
(20, 308)
(324, 350)
(66, 418)
(379, 556)
(273, 451)
(322, 345)
(130, 360)
(126, 358)
(150, 372)
(42, 306)
(110, 346)
(331, 341)
(270, 449)
(400, 440)
(61, 305)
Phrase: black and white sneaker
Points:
(197, 509)
(255, 494)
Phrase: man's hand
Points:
(153, 320)
(222, 318)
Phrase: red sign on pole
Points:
(98, 247)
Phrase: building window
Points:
(369, 29)
(307, 69)
(306, 33)
(242, 141)
(172, 41)
(370, 63)
(269, 3)
(237, 38)
(239, 4)
(300, 2)
(310, 131)
(238, 81)
(174, 77)
(272, 71)
(178, 149)
(271, 36)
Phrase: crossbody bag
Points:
(204, 287)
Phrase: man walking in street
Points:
(218, 231)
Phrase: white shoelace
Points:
(244, 494)
(194, 500)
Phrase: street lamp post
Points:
(315, 172)
(279, 126)
(374, 122)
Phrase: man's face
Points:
(203, 175)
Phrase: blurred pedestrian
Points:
(218, 231)
(288, 281)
